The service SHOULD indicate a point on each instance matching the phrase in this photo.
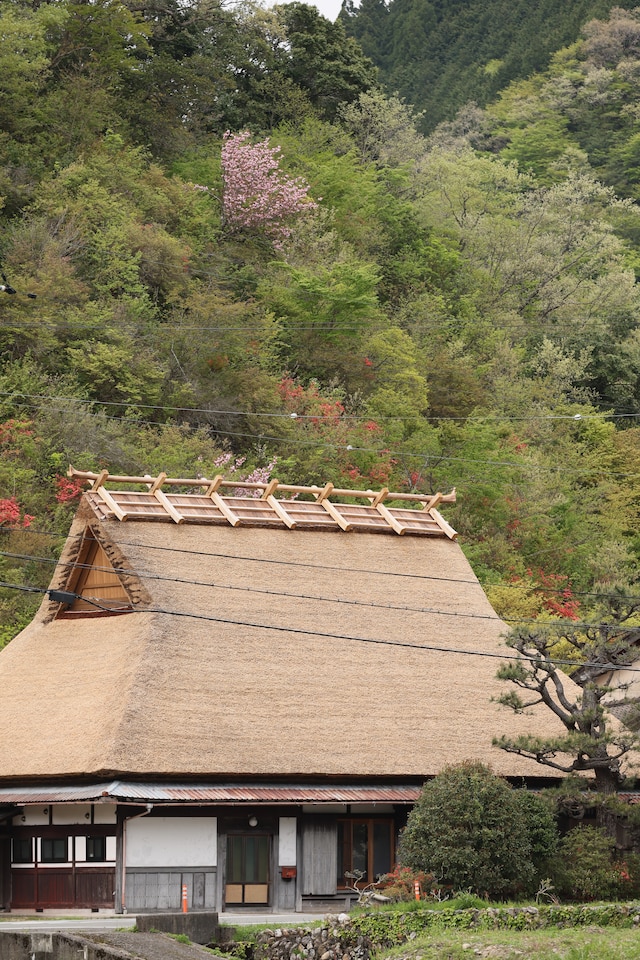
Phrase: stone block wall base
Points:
(200, 927)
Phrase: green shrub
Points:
(542, 831)
(468, 829)
(588, 869)
(465, 900)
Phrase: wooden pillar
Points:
(5, 873)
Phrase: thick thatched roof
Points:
(243, 658)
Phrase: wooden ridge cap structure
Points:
(264, 504)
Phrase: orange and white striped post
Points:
(185, 907)
(416, 889)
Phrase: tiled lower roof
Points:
(122, 791)
(264, 504)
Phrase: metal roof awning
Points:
(124, 792)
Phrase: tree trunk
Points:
(607, 785)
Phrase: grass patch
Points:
(596, 943)
(247, 932)
(463, 901)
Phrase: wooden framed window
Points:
(22, 850)
(365, 846)
(54, 850)
(97, 849)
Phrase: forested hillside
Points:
(440, 54)
(224, 247)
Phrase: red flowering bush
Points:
(557, 595)
(354, 440)
(400, 884)
(11, 514)
(68, 490)
(12, 435)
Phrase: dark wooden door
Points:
(247, 880)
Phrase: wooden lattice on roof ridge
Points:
(204, 503)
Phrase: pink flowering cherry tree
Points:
(258, 197)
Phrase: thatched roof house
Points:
(302, 663)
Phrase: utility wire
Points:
(289, 563)
(541, 660)
(285, 325)
(340, 418)
(272, 593)
(433, 459)
(270, 560)
(228, 279)
(321, 599)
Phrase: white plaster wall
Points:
(33, 816)
(287, 842)
(172, 842)
(104, 812)
(71, 813)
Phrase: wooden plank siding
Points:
(57, 887)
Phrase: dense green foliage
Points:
(588, 866)
(441, 54)
(454, 311)
(472, 831)
(385, 929)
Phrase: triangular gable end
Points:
(97, 584)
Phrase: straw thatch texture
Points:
(150, 694)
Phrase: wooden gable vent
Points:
(98, 586)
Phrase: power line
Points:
(322, 599)
(272, 593)
(337, 636)
(285, 325)
(434, 459)
(227, 279)
(341, 418)
(269, 560)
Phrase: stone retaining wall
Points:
(334, 940)
(356, 938)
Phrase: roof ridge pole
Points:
(432, 502)
(332, 510)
